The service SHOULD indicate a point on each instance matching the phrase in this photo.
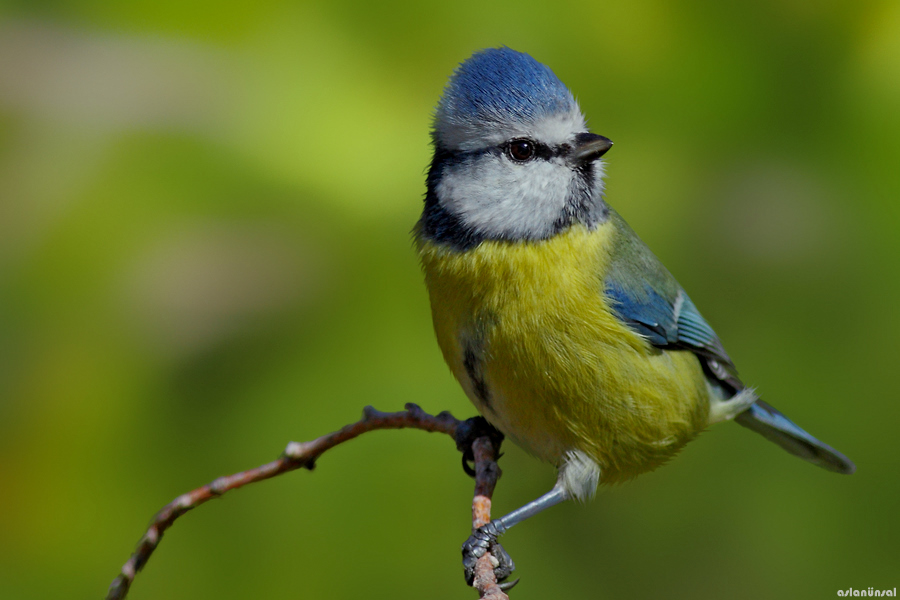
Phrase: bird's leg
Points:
(484, 538)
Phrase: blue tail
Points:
(774, 426)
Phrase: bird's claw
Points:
(470, 430)
(482, 540)
(507, 585)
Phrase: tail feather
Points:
(774, 426)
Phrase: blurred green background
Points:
(205, 211)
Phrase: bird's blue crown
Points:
(500, 85)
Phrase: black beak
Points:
(588, 147)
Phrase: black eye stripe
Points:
(542, 151)
(538, 150)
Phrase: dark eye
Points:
(520, 150)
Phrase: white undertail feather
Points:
(579, 475)
(725, 410)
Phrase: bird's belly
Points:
(555, 390)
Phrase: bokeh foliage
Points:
(204, 253)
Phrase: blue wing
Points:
(664, 322)
(647, 297)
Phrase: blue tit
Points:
(562, 327)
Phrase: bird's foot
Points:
(482, 540)
(470, 430)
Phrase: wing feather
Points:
(649, 299)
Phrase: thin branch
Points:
(299, 455)
(487, 472)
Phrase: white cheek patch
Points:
(501, 199)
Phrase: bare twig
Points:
(487, 472)
(303, 455)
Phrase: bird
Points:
(562, 327)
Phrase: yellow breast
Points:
(528, 333)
